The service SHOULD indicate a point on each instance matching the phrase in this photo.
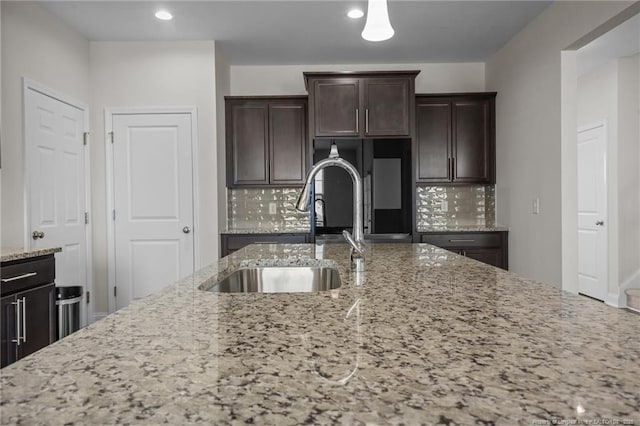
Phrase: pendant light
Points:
(377, 27)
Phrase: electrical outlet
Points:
(272, 208)
(535, 206)
(444, 205)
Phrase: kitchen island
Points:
(422, 336)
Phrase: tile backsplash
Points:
(249, 209)
(471, 206)
(447, 207)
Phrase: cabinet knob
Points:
(599, 222)
(37, 234)
(186, 229)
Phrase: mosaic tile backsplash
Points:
(464, 207)
(249, 209)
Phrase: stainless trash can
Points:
(68, 304)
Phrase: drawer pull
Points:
(19, 277)
(462, 241)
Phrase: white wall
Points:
(628, 169)
(223, 88)
(288, 80)
(153, 74)
(527, 75)
(38, 46)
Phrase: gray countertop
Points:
(266, 231)
(17, 253)
(427, 337)
(420, 230)
(464, 229)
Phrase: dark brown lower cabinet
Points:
(233, 242)
(28, 307)
(487, 247)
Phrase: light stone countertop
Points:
(428, 337)
(18, 253)
(266, 231)
(464, 229)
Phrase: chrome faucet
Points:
(357, 240)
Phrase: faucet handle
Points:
(355, 245)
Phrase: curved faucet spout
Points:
(304, 198)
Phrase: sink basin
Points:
(288, 279)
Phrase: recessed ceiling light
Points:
(355, 14)
(164, 15)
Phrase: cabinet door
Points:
(38, 325)
(247, 143)
(386, 104)
(472, 141)
(433, 141)
(288, 143)
(491, 256)
(8, 351)
(336, 107)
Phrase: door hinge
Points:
(86, 218)
(115, 291)
(85, 138)
(113, 214)
(111, 136)
(88, 297)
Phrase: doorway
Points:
(57, 175)
(593, 245)
(151, 175)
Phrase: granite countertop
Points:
(266, 231)
(17, 253)
(496, 228)
(427, 337)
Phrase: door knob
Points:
(599, 222)
(186, 229)
(37, 234)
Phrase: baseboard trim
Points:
(632, 282)
(614, 300)
(97, 316)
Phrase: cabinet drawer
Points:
(466, 239)
(18, 276)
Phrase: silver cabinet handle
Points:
(366, 120)
(17, 339)
(24, 319)
(19, 277)
(186, 229)
(599, 222)
(357, 119)
(37, 234)
(462, 241)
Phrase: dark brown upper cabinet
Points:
(266, 141)
(455, 138)
(362, 105)
(336, 106)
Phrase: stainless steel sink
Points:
(289, 279)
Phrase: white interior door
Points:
(592, 209)
(153, 200)
(54, 134)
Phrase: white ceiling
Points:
(310, 32)
(623, 40)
